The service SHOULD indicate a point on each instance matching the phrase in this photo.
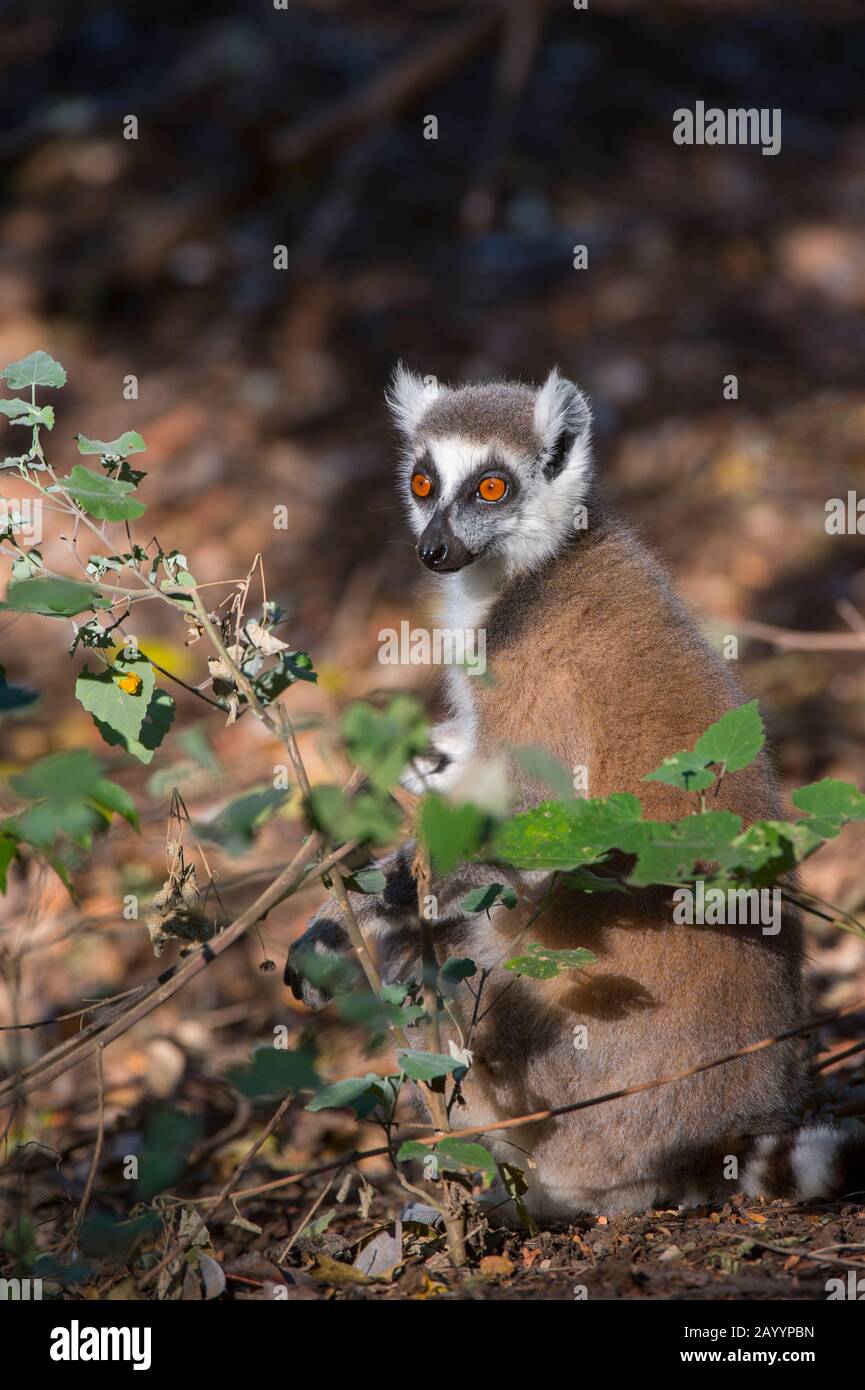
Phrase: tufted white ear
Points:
(562, 413)
(408, 396)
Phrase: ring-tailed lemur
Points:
(592, 657)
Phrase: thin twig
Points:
(539, 1115)
(838, 1057)
(797, 1250)
(97, 1153)
(551, 1113)
(238, 1173)
(73, 1013)
(157, 992)
(307, 1217)
(788, 639)
(361, 950)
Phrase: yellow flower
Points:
(129, 682)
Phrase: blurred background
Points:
(303, 128)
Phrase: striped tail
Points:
(815, 1162)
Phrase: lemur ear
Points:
(563, 418)
(408, 396)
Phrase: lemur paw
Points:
(316, 968)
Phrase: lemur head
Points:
(494, 470)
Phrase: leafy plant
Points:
(64, 800)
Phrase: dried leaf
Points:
(212, 1276)
(330, 1271)
(429, 1289)
(382, 1255)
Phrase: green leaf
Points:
(27, 565)
(274, 1071)
(377, 1013)
(483, 898)
(514, 1181)
(73, 1271)
(457, 969)
(290, 668)
(830, 804)
(168, 1138)
(238, 823)
(109, 796)
(178, 587)
(342, 1093)
(366, 881)
(451, 833)
(315, 1228)
(731, 743)
(92, 690)
(425, 1066)
(8, 852)
(54, 598)
(55, 819)
(452, 1154)
(411, 1148)
(369, 818)
(12, 409)
(71, 774)
(542, 963)
(36, 370)
(71, 800)
(24, 413)
(462, 1153)
(113, 708)
(383, 742)
(563, 835)
(767, 849)
(37, 415)
(668, 852)
(103, 1235)
(157, 721)
(584, 881)
(735, 740)
(105, 498)
(128, 443)
(361, 1093)
(685, 770)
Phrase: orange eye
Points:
(492, 489)
(421, 485)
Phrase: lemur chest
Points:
(516, 692)
(519, 704)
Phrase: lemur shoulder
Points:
(593, 657)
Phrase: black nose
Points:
(433, 553)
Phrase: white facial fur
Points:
(523, 433)
(543, 516)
